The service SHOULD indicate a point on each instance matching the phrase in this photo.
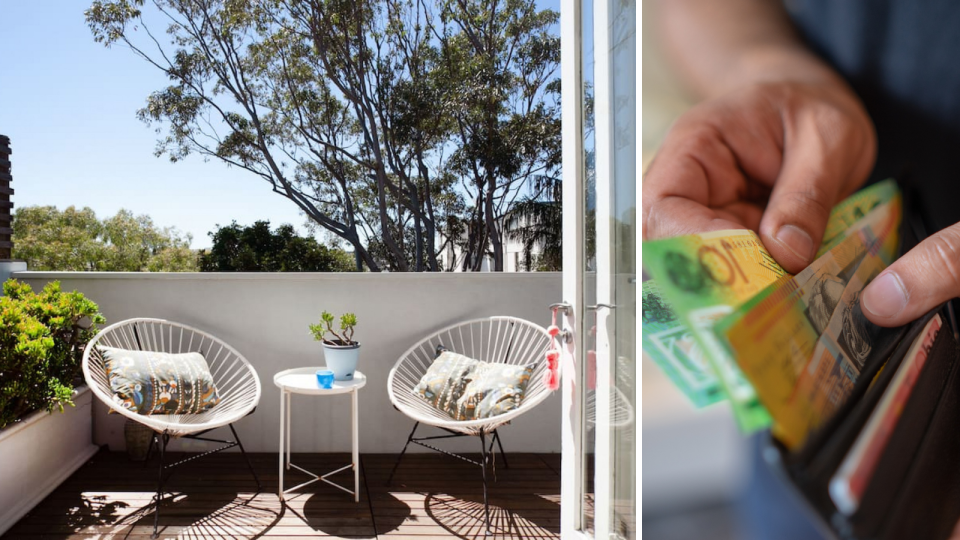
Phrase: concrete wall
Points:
(265, 317)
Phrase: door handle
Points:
(601, 306)
(566, 308)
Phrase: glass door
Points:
(600, 242)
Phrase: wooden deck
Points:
(432, 496)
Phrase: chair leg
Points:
(496, 435)
(153, 441)
(483, 467)
(402, 452)
(246, 457)
(162, 441)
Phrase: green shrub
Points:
(42, 336)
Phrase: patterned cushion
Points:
(149, 382)
(493, 390)
(443, 383)
(469, 389)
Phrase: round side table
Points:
(304, 381)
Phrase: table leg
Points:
(289, 415)
(356, 448)
(283, 423)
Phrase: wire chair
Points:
(500, 339)
(236, 380)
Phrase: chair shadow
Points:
(183, 514)
(452, 499)
(205, 515)
(520, 516)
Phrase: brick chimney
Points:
(6, 204)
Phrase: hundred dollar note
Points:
(773, 336)
(671, 346)
(706, 277)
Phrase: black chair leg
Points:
(483, 467)
(153, 441)
(162, 441)
(496, 435)
(246, 457)
(402, 452)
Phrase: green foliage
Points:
(538, 225)
(348, 321)
(258, 249)
(42, 336)
(401, 127)
(76, 240)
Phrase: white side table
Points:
(304, 381)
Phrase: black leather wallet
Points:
(914, 491)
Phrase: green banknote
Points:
(705, 277)
(672, 347)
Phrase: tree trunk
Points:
(493, 231)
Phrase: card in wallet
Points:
(891, 451)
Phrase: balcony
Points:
(265, 317)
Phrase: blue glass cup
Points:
(325, 378)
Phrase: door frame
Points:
(571, 56)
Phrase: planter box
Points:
(39, 453)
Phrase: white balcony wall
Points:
(265, 317)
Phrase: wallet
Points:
(914, 489)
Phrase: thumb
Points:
(916, 283)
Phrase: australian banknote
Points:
(705, 277)
(670, 345)
(773, 336)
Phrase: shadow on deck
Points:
(432, 496)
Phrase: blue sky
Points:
(69, 106)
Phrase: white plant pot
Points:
(342, 360)
(40, 452)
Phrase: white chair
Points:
(236, 380)
(506, 340)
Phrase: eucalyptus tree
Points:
(502, 57)
(354, 110)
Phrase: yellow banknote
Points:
(773, 336)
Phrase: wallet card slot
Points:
(928, 504)
(897, 459)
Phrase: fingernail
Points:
(796, 240)
(885, 296)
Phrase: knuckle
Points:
(652, 222)
(810, 203)
(943, 255)
(700, 137)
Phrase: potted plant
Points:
(340, 351)
(42, 336)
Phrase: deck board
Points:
(431, 497)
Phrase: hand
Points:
(916, 283)
(773, 157)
